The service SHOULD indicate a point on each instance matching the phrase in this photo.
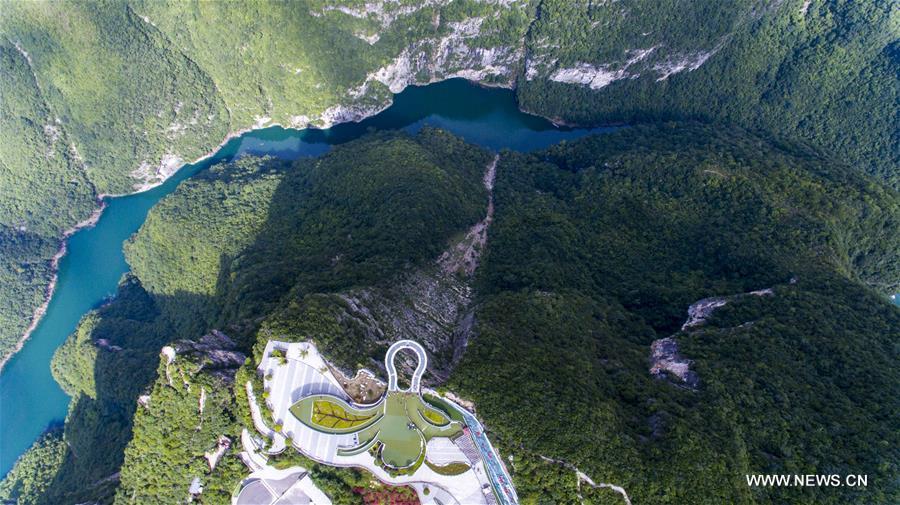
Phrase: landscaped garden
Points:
(333, 415)
(403, 439)
(398, 427)
(329, 414)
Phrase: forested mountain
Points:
(825, 72)
(222, 252)
(110, 97)
(597, 249)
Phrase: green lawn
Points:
(442, 406)
(434, 417)
(403, 442)
(416, 410)
(456, 468)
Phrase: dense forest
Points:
(825, 72)
(38, 171)
(597, 248)
(35, 470)
(107, 97)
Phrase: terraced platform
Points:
(398, 427)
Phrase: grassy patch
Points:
(448, 469)
(403, 444)
(442, 404)
(433, 417)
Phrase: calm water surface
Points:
(31, 401)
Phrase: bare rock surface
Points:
(215, 352)
(665, 360)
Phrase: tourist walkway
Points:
(416, 383)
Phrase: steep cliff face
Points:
(431, 304)
(214, 353)
(425, 305)
(190, 404)
(456, 54)
(486, 47)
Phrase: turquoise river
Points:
(31, 401)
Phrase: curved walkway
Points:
(392, 370)
(493, 465)
(278, 442)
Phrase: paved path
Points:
(250, 455)
(583, 477)
(278, 443)
(392, 370)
